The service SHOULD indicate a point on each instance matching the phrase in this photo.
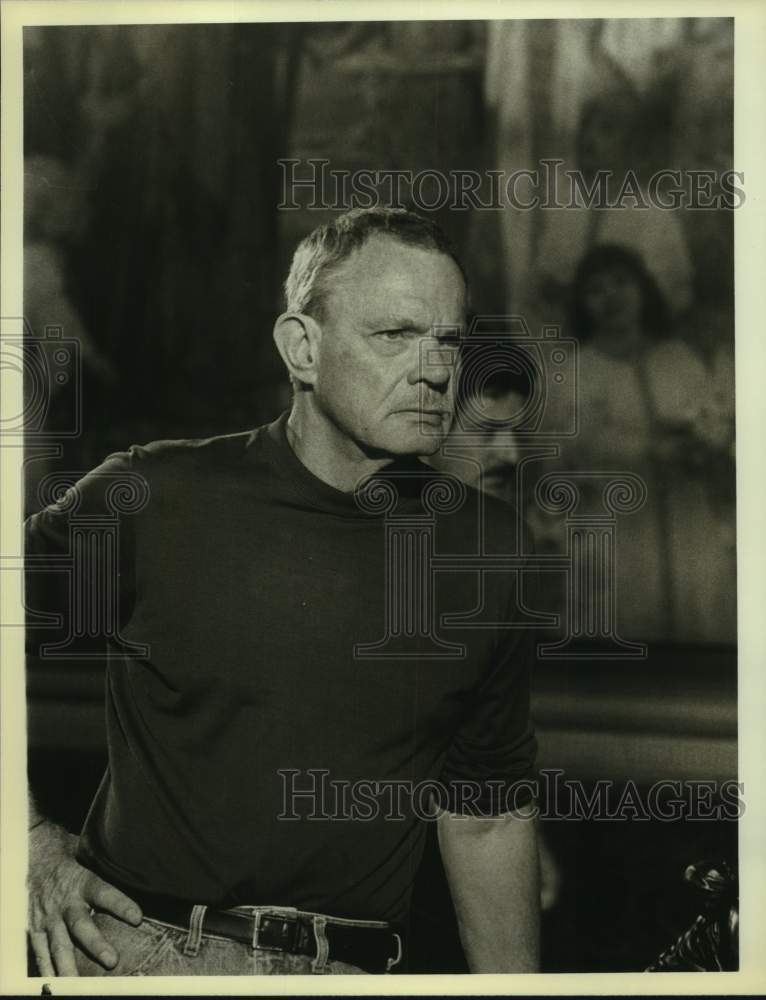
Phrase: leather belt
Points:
(375, 949)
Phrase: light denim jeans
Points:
(158, 949)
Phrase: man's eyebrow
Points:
(393, 322)
(398, 322)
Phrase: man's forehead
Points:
(396, 281)
(411, 311)
(387, 254)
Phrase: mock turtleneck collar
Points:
(407, 475)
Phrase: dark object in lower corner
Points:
(711, 944)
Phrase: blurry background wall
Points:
(153, 232)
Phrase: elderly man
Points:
(250, 677)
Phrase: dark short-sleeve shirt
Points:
(294, 672)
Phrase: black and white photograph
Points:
(377, 504)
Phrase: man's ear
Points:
(297, 337)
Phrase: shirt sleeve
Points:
(490, 764)
(79, 578)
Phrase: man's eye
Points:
(392, 334)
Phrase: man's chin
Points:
(430, 445)
(420, 433)
(420, 441)
(410, 445)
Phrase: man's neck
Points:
(326, 451)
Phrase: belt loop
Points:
(391, 963)
(194, 937)
(323, 946)
(256, 927)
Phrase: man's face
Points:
(386, 372)
(483, 449)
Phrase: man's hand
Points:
(62, 897)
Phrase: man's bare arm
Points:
(492, 867)
(61, 895)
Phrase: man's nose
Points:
(435, 363)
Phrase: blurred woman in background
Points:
(649, 405)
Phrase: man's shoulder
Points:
(155, 477)
(193, 455)
(166, 466)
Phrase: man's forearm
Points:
(492, 867)
(46, 837)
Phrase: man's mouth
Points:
(427, 411)
(435, 419)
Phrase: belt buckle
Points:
(393, 962)
(288, 943)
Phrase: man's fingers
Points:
(62, 950)
(84, 931)
(39, 942)
(105, 897)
